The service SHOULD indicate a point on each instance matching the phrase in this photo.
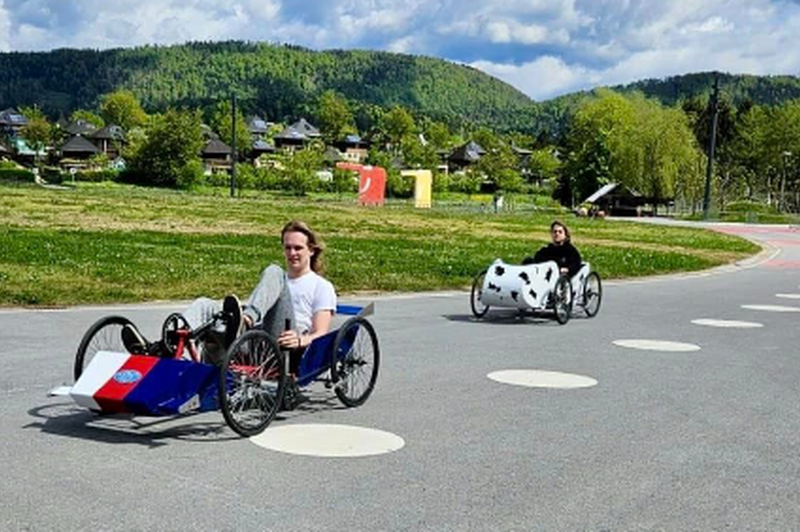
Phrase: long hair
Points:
(558, 223)
(314, 243)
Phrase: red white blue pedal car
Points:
(534, 288)
(249, 385)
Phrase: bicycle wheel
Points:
(355, 361)
(104, 335)
(592, 294)
(479, 310)
(252, 382)
(562, 300)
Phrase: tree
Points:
(334, 118)
(396, 125)
(88, 116)
(170, 155)
(300, 169)
(122, 108)
(221, 122)
(37, 132)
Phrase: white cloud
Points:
(5, 29)
(543, 78)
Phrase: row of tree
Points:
(625, 138)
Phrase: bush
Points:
(190, 175)
(94, 176)
(398, 186)
(466, 182)
(342, 181)
(16, 174)
(751, 206)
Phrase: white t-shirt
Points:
(310, 294)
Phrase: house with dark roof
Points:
(261, 147)
(11, 122)
(78, 147)
(465, 155)
(81, 127)
(76, 152)
(353, 148)
(109, 139)
(296, 135)
(258, 127)
(216, 156)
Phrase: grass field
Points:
(113, 243)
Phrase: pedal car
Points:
(249, 384)
(534, 288)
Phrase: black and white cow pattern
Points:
(515, 286)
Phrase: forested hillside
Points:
(555, 115)
(276, 81)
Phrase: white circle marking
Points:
(657, 345)
(330, 441)
(731, 324)
(542, 379)
(772, 308)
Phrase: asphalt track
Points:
(666, 440)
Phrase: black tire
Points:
(104, 335)
(562, 300)
(355, 361)
(592, 294)
(479, 310)
(252, 382)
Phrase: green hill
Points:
(555, 114)
(278, 81)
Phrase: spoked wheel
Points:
(592, 294)
(104, 335)
(252, 382)
(169, 331)
(356, 357)
(562, 300)
(479, 310)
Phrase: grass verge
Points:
(113, 243)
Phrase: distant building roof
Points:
(332, 155)
(468, 153)
(307, 129)
(257, 125)
(605, 189)
(300, 130)
(521, 151)
(12, 117)
(110, 132)
(263, 146)
(81, 127)
(78, 144)
(216, 147)
(352, 141)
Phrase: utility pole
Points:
(712, 144)
(233, 145)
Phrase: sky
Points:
(544, 48)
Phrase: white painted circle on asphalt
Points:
(330, 441)
(731, 324)
(542, 379)
(788, 296)
(772, 308)
(657, 345)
